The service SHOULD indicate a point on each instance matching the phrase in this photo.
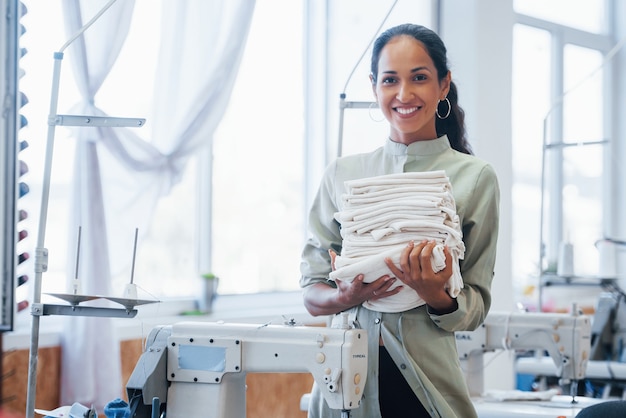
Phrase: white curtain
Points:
(119, 177)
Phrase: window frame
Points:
(551, 232)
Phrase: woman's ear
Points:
(445, 85)
(373, 86)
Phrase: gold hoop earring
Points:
(447, 113)
(369, 110)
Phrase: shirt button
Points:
(377, 321)
(403, 366)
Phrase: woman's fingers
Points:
(425, 257)
(381, 288)
(394, 269)
(411, 260)
(333, 256)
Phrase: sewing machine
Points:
(606, 368)
(193, 369)
(565, 337)
(198, 367)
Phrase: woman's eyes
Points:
(416, 77)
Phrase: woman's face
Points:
(408, 89)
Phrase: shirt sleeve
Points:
(480, 234)
(324, 233)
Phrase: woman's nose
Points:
(405, 93)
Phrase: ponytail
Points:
(454, 125)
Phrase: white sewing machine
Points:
(566, 338)
(195, 369)
(607, 362)
(198, 367)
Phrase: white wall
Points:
(479, 51)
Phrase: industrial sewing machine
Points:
(606, 369)
(565, 337)
(194, 369)
(199, 369)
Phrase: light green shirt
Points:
(421, 343)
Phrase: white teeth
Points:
(406, 111)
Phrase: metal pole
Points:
(41, 253)
(342, 106)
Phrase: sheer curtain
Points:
(118, 176)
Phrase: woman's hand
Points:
(416, 271)
(323, 299)
(357, 291)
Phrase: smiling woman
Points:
(414, 338)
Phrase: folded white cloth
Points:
(387, 220)
(362, 249)
(405, 226)
(394, 178)
(381, 215)
(384, 195)
(420, 201)
(375, 267)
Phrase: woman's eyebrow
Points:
(416, 69)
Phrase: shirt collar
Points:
(418, 148)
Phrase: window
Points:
(257, 158)
(587, 15)
(258, 229)
(531, 56)
(558, 83)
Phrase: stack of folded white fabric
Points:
(382, 215)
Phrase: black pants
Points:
(397, 399)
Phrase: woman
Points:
(414, 369)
